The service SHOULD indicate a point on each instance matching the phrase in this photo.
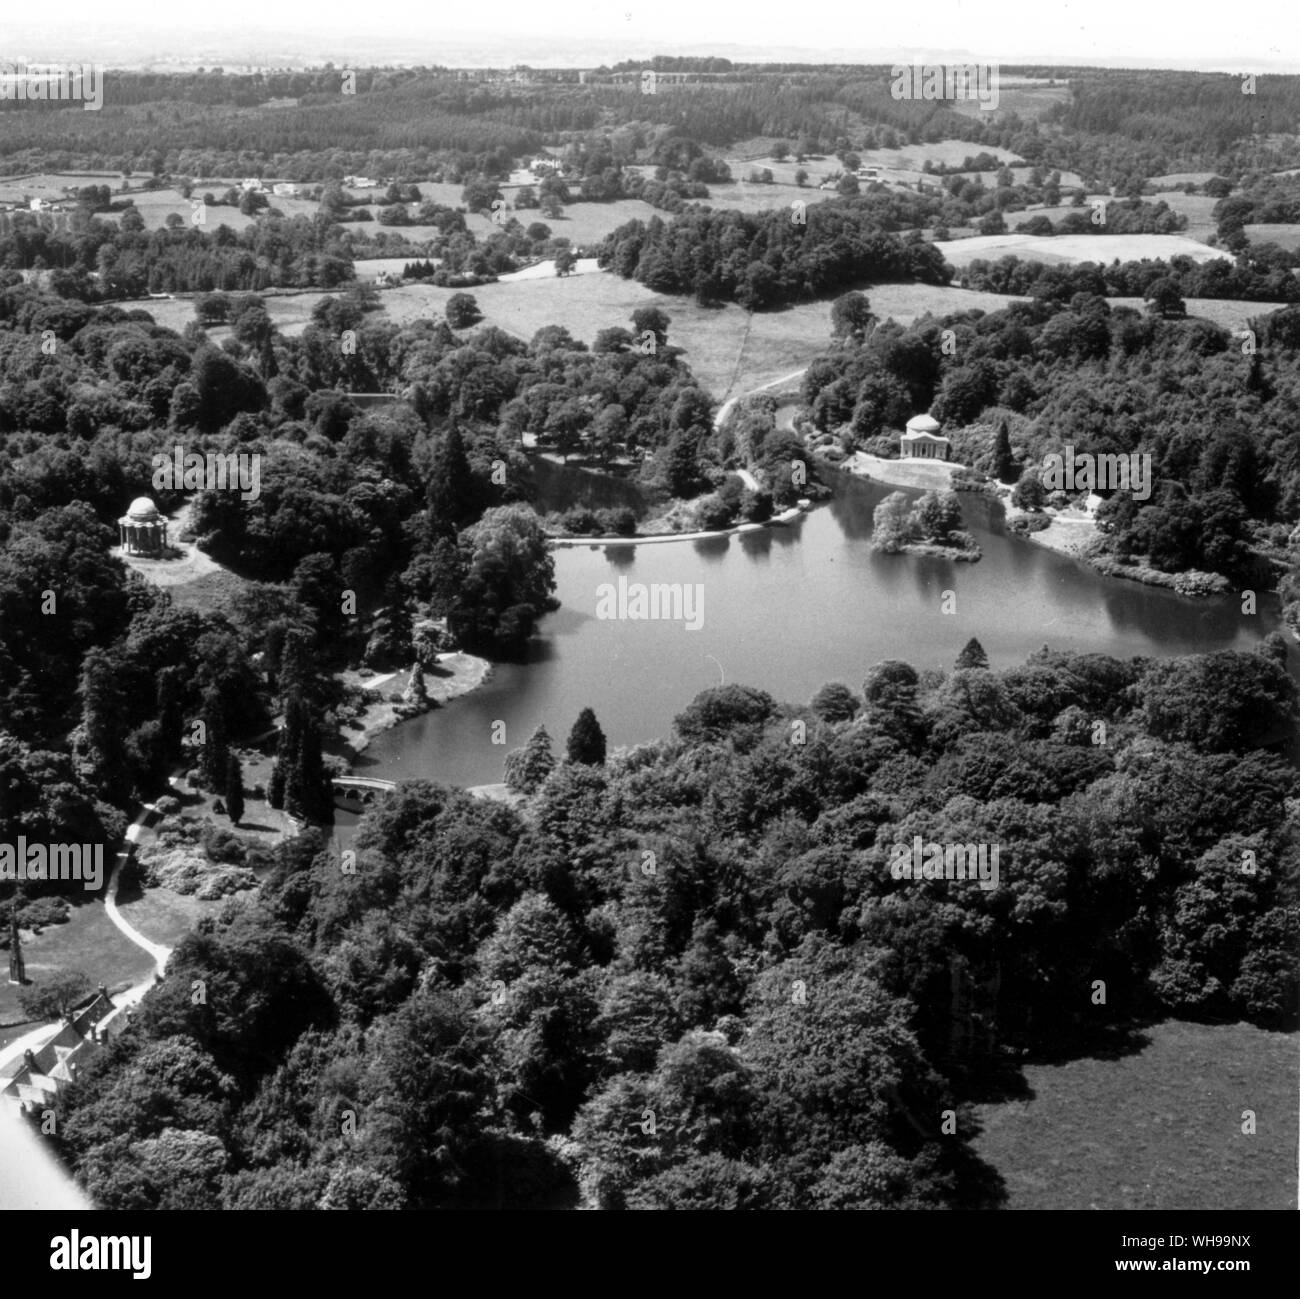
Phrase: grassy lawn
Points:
(1158, 1129)
(88, 942)
(588, 223)
(1027, 98)
(1231, 313)
(163, 915)
(1073, 249)
(1285, 235)
(291, 313)
(728, 350)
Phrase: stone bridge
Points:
(360, 791)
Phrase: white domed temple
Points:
(922, 441)
(142, 530)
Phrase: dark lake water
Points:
(788, 609)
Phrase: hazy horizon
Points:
(1104, 33)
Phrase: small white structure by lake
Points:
(921, 440)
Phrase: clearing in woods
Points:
(1160, 1128)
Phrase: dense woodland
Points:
(1109, 127)
(1261, 274)
(683, 977)
(765, 259)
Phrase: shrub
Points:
(1029, 523)
(579, 521)
(221, 845)
(714, 512)
(35, 913)
(620, 521)
(756, 507)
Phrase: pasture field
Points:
(1027, 99)
(50, 185)
(1176, 179)
(1285, 235)
(728, 350)
(1073, 249)
(1231, 313)
(289, 312)
(1160, 1128)
(589, 223)
(1197, 208)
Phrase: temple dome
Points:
(923, 424)
(143, 510)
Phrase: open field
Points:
(1197, 208)
(290, 312)
(587, 223)
(1284, 235)
(1157, 1129)
(51, 184)
(1027, 99)
(1176, 179)
(369, 271)
(1231, 313)
(1073, 249)
(728, 350)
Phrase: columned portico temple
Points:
(142, 530)
(922, 441)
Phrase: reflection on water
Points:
(787, 610)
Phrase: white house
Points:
(252, 183)
(286, 190)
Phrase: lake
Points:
(788, 609)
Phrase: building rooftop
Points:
(143, 510)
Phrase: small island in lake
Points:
(931, 526)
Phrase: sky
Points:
(1194, 34)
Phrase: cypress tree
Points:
(1004, 464)
(587, 740)
(234, 790)
(216, 751)
(972, 656)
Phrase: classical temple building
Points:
(142, 530)
(921, 440)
